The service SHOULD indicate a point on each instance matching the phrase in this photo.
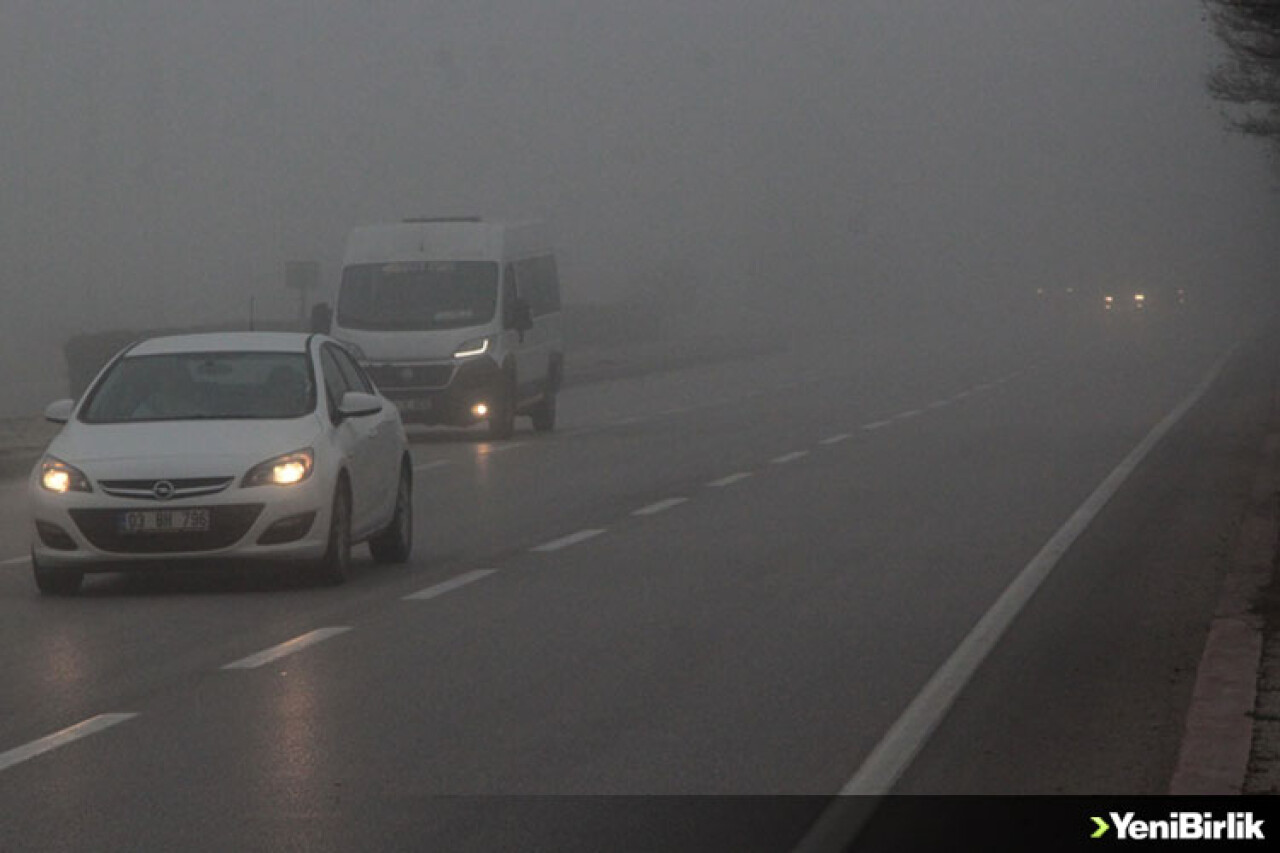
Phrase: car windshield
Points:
(203, 386)
(418, 296)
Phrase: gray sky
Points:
(163, 160)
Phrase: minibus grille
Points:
(411, 375)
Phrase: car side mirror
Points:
(59, 411)
(321, 318)
(356, 404)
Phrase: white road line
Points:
(730, 480)
(836, 439)
(624, 421)
(15, 561)
(566, 541)
(288, 647)
(788, 457)
(938, 404)
(909, 413)
(449, 585)
(877, 425)
(660, 506)
(895, 752)
(90, 726)
(960, 395)
(422, 466)
(985, 386)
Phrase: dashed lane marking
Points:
(660, 506)
(288, 647)
(836, 439)
(788, 457)
(449, 585)
(93, 725)
(566, 541)
(730, 480)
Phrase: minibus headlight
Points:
(472, 348)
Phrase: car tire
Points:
(502, 417)
(56, 581)
(393, 544)
(335, 566)
(544, 414)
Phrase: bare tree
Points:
(1249, 78)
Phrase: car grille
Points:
(186, 487)
(227, 525)
(411, 375)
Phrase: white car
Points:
(230, 445)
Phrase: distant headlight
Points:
(58, 476)
(473, 347)
(282, 470)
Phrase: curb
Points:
(1218, 737)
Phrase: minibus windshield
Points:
(418, 296)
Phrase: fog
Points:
(738, 163)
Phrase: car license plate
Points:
(194, 520)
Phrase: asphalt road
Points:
(728, 579)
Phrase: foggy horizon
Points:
(878, 159)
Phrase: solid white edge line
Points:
(17, 755)
(288, 647)
(890, 758)
(449, 585)
(14, 561)
(566, 541)
(788, 457)
(660, 506)
(836, 439)
(839, 824)
(730, 480)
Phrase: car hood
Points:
(180, 448)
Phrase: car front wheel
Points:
(393, 544)
(335, 565)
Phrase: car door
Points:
(355, 439)
(385, 442)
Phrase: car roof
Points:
(224, 342)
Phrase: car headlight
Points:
(473, 347)
(58, 476)
(282, 470)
